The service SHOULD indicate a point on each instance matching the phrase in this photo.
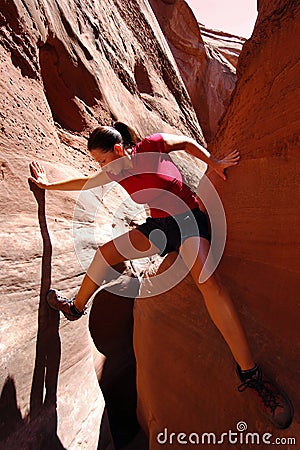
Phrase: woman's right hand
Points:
(229, 160)
(39, 175)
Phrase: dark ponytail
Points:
(129, 136)
(105, 137)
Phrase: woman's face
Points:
(104, 158)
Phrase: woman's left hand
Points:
(219, 165)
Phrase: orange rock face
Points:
(186, 379)
(206, 60)
(262, 196)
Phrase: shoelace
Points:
(268, 397)
(71, 303)
(62, 298)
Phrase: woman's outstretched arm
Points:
(75, 184)
(174, 142)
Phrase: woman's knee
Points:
(110, 254)
(211, 286)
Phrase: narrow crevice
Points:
(111, 327)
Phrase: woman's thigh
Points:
(195, 252)
(131, 245)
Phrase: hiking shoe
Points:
(58, 302)
(275, 404)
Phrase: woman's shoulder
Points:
(152, 143)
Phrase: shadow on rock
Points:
(17, 433)
(38, 429)
(11, 417)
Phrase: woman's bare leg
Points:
(218, 302)
(131, 245)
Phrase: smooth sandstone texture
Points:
(65, 67)
(206, 59)
(186, 380)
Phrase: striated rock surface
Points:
(65, 67)
(229, 45)
(186, 379)
(206, 60)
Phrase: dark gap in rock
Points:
(111, 327)
(142, 79)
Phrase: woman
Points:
(148, 174)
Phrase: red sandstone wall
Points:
(186, 379)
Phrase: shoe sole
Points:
(49, 293)
(53, 292)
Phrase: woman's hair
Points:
(105, 137)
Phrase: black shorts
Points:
(168, 233)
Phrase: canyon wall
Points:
(65, 67)
(206, 60)
(186, 374)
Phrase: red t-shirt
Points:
(154, 179)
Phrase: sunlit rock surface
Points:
(65, 67)
(206, 60)
(227, 44)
